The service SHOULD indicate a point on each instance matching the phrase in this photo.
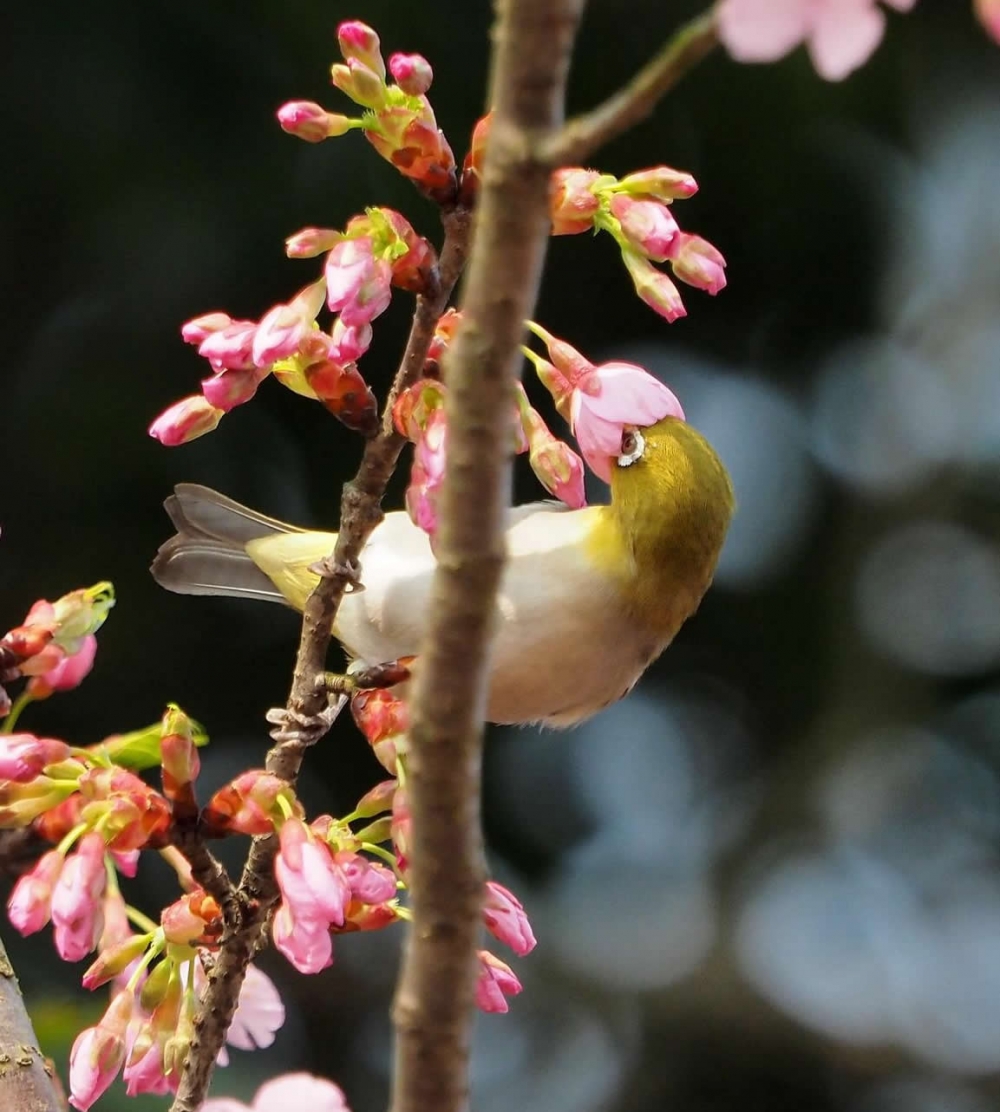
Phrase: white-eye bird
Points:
(589, 597)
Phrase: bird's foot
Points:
(347, 570)
(304, 729)
(367, 677)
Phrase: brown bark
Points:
(533, 42)
(27, 1081)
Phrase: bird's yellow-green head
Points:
(671, 503)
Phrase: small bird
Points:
(589, 597)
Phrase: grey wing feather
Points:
(200, 511)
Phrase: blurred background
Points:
(770, 878)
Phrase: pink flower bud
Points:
(309, 121)
(363, 85)
(369, 882)
(247, 805)
(697, 262)
(179, 759)
(310, 242)
(185, 420)
(283, 328)
(647, 225)
(79, 613)
(661, 182)
(198, 330)
(24, 756)
(349, 343)
(357, 284)
(358, 40)
(654, 287)
(427, 473)
(382, 717)
(573, 202)
(559, 469)
(195, 917)
(402, 829)
(412, 72)
(113, 961)
(70, 672)
(228, 389)
(98, 1054)
(230, 348)
(30, 902)
(76, 900)
(506, 920)
(495, 983)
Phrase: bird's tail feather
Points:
(207, 555)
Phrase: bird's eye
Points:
(632, 447)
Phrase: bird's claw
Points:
(367, 677)
(303, 729)
(347, 570)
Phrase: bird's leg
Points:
(366, 677)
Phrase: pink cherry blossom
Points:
(77, 912)
(282, 329)
(412, 73)
(185, 420)
(98, 1054)
(230, 348)
(370, 882)
(696, 261)
(648, 225)
(291, 1090)
(427, 473)
(358, 285)
(70, 672)
(198, 330)
(506, 920)
(311, 884)
(839, 34)
(613, 396)
(24, 756)
(259, 1014)
(306, 943)
(30, 903)
(496, 981)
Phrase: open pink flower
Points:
(306, 943)
(290, 1090)
(357, 283)
(613, 396)
(840, 34)
(311, 883)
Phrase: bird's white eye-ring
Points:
(632, 447)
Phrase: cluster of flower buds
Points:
(599, 402)
(419, 415)
(398, 119)
(54, 646)
(635, 211)
(376, 252)
(145, 1034)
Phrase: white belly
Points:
(563, 647)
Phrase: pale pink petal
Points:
(224, 1104)
(901, 5)
(843, 36)
(259, 1014)
(300, 1091)
(762, 30)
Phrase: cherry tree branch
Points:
(303, 722)
(432, 1008)
(583, 134)
(27, 1082)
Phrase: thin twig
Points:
(360, 512)
(432, 1008)
(583, 134)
